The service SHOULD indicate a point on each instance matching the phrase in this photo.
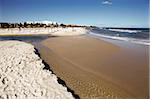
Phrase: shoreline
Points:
(125, 39)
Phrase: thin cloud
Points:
(107, 2)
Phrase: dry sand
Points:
(22, 75)
(96, 69)
(59, 31)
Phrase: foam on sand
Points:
(22, 75)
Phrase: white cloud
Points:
(107, 2)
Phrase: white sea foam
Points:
(122, 30)
(132, 40)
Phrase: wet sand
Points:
(98, 69)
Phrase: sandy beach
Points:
(98, 69)
(74, 49)
(92, 67)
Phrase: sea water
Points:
(133, 35)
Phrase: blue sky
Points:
(118, 13)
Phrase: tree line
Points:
(34, 25)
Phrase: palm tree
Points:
(25, 24)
